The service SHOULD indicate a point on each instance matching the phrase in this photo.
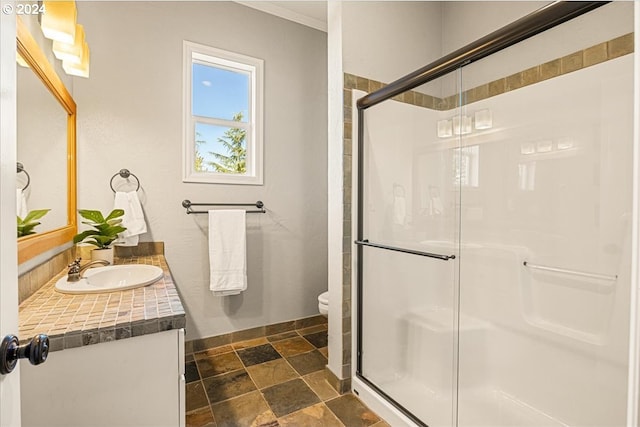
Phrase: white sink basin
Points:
(112, 278)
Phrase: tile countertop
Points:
(79, 320)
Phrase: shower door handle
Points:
(404, 250)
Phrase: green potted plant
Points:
(104, 232)
(26, 226)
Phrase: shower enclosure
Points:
(494, 227)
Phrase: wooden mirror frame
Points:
(35, 244)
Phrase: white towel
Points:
(399, 210)
(133, 218)
(21, 204)
(227, 251)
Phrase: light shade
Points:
(20, 60)
(484, 119)
(58, 22)
(71, 53)
(445, 128)
(81, 69)
(461, 125)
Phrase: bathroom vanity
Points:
(116, 359)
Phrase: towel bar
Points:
(124, 173)
(571, 272)
(20, 168)
(187, 204)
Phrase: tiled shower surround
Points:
(575, 61)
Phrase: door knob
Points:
(36, 350)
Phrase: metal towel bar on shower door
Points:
(403, 250)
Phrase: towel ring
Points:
(124, 173)
(20, 168)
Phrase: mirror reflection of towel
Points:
(21, 203)
(399, 210)
(436, 206)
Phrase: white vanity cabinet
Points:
(132, 382)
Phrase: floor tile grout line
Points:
(236, 353)
(319, 403)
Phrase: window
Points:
(466, 166)
(222, 116)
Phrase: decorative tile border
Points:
(79, 320)
(588, 57)
(575, 61)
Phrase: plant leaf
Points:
(115, 230)
(115, 214)
(94, 216)
(35, 214)
(114, 221)
(27, 229)
(104, 241)
(81, 236)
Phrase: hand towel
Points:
(227, 251)
(21, 203)
(399, 210)
(133, 218)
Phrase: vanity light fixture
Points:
(58, 22)
(464, 125)
(71, 53)
(20, 60)
(81, 69)
(483, 119)
(445, 128)
(461, 125)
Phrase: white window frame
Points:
(198, 53)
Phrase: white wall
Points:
(335, 186)
(384, 40)
(129, 116)
(464, 22)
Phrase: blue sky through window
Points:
(219, 93)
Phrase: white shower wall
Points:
(549, 184)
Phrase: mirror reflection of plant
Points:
(105, 230)
(26, 226)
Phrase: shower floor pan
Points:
(478, 408)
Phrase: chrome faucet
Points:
(75, 271)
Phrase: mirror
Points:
(46, 133)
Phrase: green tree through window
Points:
(235, 160)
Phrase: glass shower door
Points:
(546, 202)
(407, 255)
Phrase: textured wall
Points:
(130, 115)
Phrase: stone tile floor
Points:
(278, 380)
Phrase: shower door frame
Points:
(537, 22)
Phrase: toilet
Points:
(323, 303)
